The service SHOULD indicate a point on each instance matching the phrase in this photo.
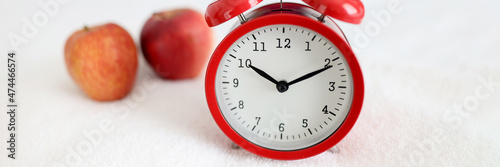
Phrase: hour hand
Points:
(263, 74)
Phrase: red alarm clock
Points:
(285, 84)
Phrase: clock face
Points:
(284, 87)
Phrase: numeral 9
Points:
(236, 82)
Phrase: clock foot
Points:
(235, 146)
(334, 150)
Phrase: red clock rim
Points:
(292, 19)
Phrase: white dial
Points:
(284, 87)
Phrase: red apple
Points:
(177, 43)
(102, 60)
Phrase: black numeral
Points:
(258, 120)
(304, 123)
(247, 64)
(11, 95)
(256, 47)
(11, 84)
(325, 109)
(281, 127)
(240, 104)
(287, 41)
(11, 65)
(327, 60)
(307, 46)
(236, 83)
(332, 86)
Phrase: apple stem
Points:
(86, 28)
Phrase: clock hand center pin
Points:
(281, 86)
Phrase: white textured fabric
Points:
(431, 70)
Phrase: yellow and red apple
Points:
(102, 60)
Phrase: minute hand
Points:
(309, 75)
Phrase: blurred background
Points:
(431, 70)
